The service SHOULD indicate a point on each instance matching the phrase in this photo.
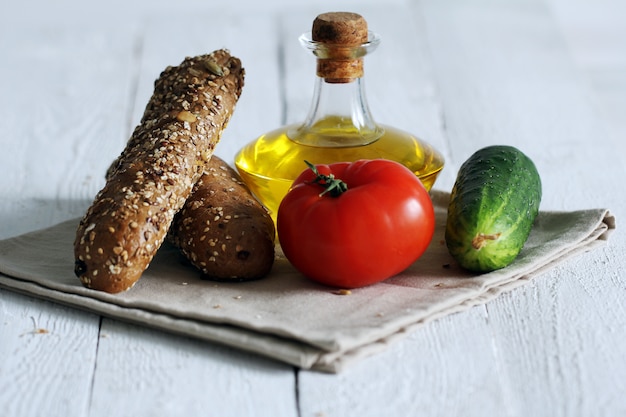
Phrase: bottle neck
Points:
(339, 116)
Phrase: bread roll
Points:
(151, 180)
(223, 230)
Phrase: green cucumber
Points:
(493, 205)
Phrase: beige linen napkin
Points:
(285, 316)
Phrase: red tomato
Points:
(375, 229)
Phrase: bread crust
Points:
(151, 180)
(223, 230)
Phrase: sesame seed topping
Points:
(165, 156)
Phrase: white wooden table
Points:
(547, 76)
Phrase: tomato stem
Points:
(333, 186)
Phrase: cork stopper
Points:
(341, 33)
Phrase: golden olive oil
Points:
(269, 164)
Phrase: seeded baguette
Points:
(151, 180)
(223, 230)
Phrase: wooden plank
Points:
(47, 357)
(596, 36)
(92, 121)
(511, 63)
(443, 369)
(512, 66)
(259, 108)
(174, 375)
(439, 369)
(504, 76)
(561, 340)
(144, 372)
(66, 96)
(61, 109)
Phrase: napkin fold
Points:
(285, 316)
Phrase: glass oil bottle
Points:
(339, 126)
